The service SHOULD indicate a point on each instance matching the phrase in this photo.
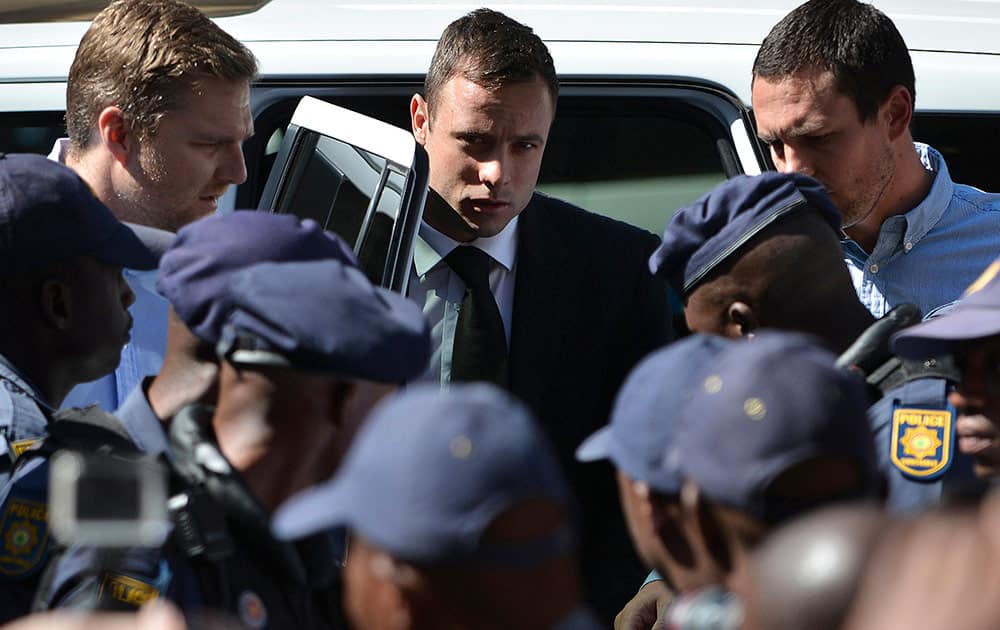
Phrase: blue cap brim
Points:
(596, 447)
(936, 336)
(124, 248)
(314, 510)
(157, 241)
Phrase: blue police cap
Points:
(774, 401)
(703, 235)
(647, 412)
(195, 272)
(323, 316)
(428, 473)
(48, 214)
(975, 315)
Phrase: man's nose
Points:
(792, 161)
(493, 171)
(233, 168)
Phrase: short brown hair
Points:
(144, 56)
(491, 50)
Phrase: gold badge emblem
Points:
(921, 442)
(127, 590)
(21, 446)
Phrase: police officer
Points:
(763, 251)
(748, 442)
(459, 515)
(970, 333)
(195, 273)
(306, 349)
(65, 306)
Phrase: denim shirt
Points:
(929, 255)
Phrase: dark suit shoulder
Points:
(586, 227)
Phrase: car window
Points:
(358, 178)
(967, 142)
(30, 132)
(636, 158)
(638, 168)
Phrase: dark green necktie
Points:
(480, 349)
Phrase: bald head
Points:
(807, 573)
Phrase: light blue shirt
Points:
(931, 254)
(440, 291)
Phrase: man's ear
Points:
(419, 118)
(897, 111)
(741, 321)
(56, 303)
(115, 134)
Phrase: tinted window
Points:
(31, 132)
(634, 159)
(351, 192)
(637, 168)
(967, 142)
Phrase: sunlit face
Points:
(179, 173)
(814, 129)
(977, 401)
(100, 324)
(485, 149)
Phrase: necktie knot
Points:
(471, 264)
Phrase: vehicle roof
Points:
(939, 25)
(953, 41)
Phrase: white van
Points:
(653, 111)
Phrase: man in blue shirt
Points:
(157, 108)
(833, 95)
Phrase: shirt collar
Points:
(432, 247)
(928, 212)
(10, 373)
(58, 152)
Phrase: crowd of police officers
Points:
(282, 444)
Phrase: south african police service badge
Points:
(922, 441)
(24, 536)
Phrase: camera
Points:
(106, 501)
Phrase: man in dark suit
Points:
(523, 290)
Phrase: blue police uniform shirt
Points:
(931, 254)
(907, 496)
(23, 415)
(143, 355)
(23, 516)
